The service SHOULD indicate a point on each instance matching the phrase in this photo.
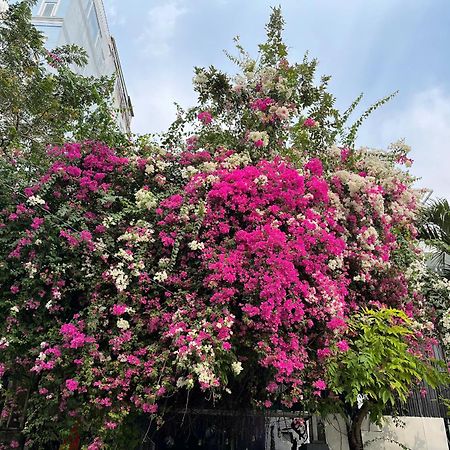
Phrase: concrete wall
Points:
(418, 433)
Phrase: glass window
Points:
(93, 23)
(48, 8)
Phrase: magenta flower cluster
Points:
(123, 292)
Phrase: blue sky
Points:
(373, 47)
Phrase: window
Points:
(93, 24)
(48, 8)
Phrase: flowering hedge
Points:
(224, 260)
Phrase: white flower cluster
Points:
(185, 382)
(418, 275)
(437, 294)
(123, 254)
(145, 199)
(31, 269)
(205, 374)
(256, 136)
(162, 165)
(379, 164)
(283, 88)
(195, 245)
(160, 276)
(200, 79)
(415, 273)
(400, 147)
(336, 263)
(164, 262)
(123, 324)
(268, 78)
(121, 279)
(240, 83)
(143, 234)
(374, 162)
(209, 166)
(188, 171)
(108, 221)
(355, 182)
(211, 179)
(35, 200)
(236, 367)
(237, 160)
(282, 112)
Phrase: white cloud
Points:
(161, 26)
(425, 124)
(153, 100)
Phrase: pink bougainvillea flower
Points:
(261, 104)
(97, 444)
(314, 165)
(118, 310)
(71, 384)
(73, 171)
(86, 236)
(343, 345)
(205, 117)
(320, 385)
(14, 289)
(345, 152)
(323, 352)
(37, 222)
(336, 323)
(310, 123)
(150, 408)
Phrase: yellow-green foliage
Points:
(380, 364)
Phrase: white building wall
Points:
(84, 23)
(418, 433)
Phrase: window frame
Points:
(45, 3)
(92, 11)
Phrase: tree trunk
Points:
(355, 441)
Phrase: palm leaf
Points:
(434, 230)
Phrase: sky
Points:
(375, 47)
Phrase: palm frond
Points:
(434, 222)
(434, 230)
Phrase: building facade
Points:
(84, 23)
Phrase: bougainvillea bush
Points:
(228, 265)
